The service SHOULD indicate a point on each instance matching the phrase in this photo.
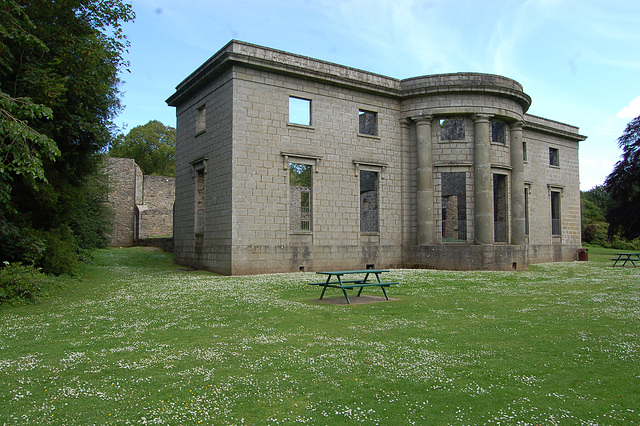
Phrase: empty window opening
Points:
(299, 111)
(500, 208)
(526, 211)
(300, 197)
(201, 119)
(452, 129)
(368, 201)
(368, 123)
(454, 206)
(200, 201)
(554, 157)
(524, 151)
(498, 132)
(556, 220)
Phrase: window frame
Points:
(443, 126)
(554, 160)
(293, 111)
(198, 171)
(494, 136)
(500, 235)
(367, 112)
(201, 119)
(462, 227)
(378, 177)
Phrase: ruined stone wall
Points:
(155, 215)
(142, 205)
(123, 175)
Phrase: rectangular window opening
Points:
(452, 129)
(368, 201)
(201, 119)
(498, 132)
(556, 220)
(300, 197)
(524, 151)
(299, 111)
(500, 208)
(200, 201)
(368, 123)
(454, 206)
(526, 211)
(554, 157)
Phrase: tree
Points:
(623, 185)
(152, 146)
(59, 79)
(23, 147)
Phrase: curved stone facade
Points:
(464, 176)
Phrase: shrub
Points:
(61, 256)
(20, 282)
(596, 234)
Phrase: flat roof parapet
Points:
(465, 82)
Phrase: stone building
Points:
(289, 163)
(142, 205)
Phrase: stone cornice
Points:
(544, 125)
(272, 60)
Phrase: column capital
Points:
(481, 118)
(518, 125)
(405, 122)
(422, 118)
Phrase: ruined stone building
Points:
(142, 205)
(289, 163)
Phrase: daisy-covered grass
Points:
(138, 340)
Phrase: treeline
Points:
(59, 79)
(611, 212)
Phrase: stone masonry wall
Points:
(123, 174)
(235, 142)
(142, 205)
(155, 215)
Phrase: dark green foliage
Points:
(152, 146)
(623, 185)
(599, 197)
(61, 255)
(23, 147)
(20, 283)
(594, 225)
(59, 78)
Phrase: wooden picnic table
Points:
(626, 257)
(344, 285)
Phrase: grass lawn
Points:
(137, 340)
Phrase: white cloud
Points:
(630, 111)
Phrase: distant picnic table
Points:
(626, 257)
(344, 285)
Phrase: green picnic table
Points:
(344, 285)
(626, 257)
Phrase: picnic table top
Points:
(358, 271)
(627, 254)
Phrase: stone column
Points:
(517, 186)
(424, 208)
(483, 180)
(407, 172)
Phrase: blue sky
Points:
(578, 60)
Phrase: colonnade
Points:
(483, 182)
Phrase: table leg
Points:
(385, 292)
(343, 289)
(326, 284)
